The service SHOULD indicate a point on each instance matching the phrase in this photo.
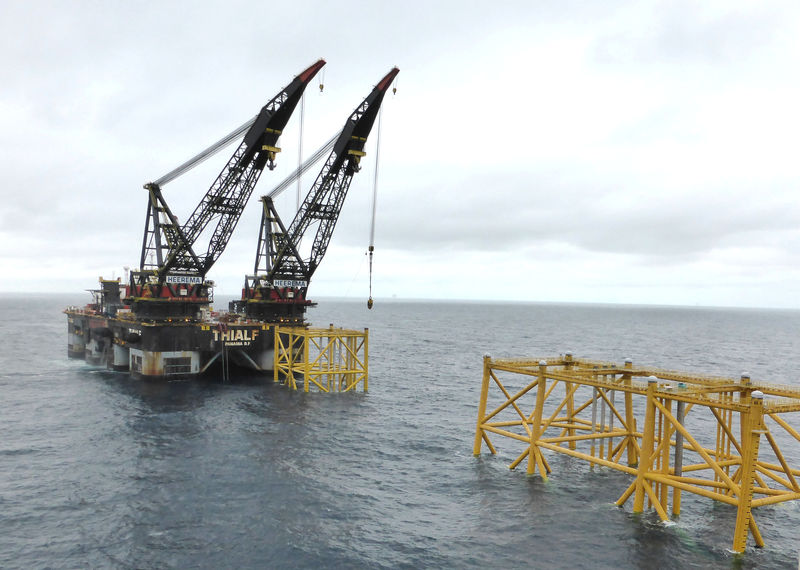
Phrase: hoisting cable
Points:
(374, 204)
(206, 154)
(312, 160)
(225, 141)
(300, 146)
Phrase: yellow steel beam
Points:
(506, 433)
(586, 437)
(554, 416)
(777, 479)
(753, 423)
(776, 467)
(511, 399)
(698, 490)
(535, 455)
(784, 466)
(700, 450)
(725, 426)
(645, 460)
(771, 500)
(781, 422)
(587, 457)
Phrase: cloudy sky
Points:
(616, 152)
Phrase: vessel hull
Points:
(168, 350)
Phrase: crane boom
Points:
(171, 248)
(324, 201)
(277, 289)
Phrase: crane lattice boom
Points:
(278, 286)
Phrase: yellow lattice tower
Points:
(330, 360)
(660, 450)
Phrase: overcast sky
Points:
(621, 152)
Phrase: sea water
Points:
(98, 470)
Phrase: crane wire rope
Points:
(206, 154)
(299, 170)
(374, 206)
(219, 145)
(311, 161)
(300, 147)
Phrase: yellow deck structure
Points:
(672, 432)
(328, 360)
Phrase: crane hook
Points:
(369, 301)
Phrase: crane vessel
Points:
(159, 323)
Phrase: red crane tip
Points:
(312, 70)
(387, 79)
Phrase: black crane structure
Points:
(171, 268)
(276, 292)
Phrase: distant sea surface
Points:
(101, 471)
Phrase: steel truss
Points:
(645, 429)
(329, 360)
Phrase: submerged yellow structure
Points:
(327, 360)
(673, 432)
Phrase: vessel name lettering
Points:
(289, 283)
(179, 279)
(235, 335)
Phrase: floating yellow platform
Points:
(716, 437)
(328, 360)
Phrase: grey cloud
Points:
(505, 213)
(686, 32)
(96, 100)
